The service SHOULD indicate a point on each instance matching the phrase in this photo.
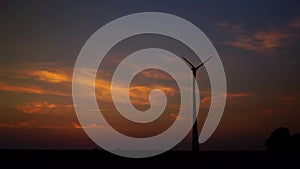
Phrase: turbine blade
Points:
(203, 62)
(199, 65)
(188, 62)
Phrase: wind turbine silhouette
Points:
(195, 144)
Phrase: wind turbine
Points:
(195, 144)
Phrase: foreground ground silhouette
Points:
(177, 159)
(282, 152)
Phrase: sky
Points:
(257, 41)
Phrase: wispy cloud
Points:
(77, 126)
(33, 124)
(18, 125)
(43, 107)
(51, 77)
(174, 116)
(263, 41)
(138, 94)
(157, 74)
(31, 79)
(236, 95)
(30, 89)
(230, 97)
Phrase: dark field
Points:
(103, 159)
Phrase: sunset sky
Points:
(257, 41)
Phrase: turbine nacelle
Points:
(192, 66)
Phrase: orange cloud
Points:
(13, 88)
(42, 107)
(233, 95)
(138, 94)
(51, 76)
(30, 89)
(153, 73)
(77, 126)
(262, 41)
(175, 116)
(52, 73)
(18, 125)
(205, 101)
(270, 39)
(32, 124)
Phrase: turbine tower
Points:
(195, 144)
